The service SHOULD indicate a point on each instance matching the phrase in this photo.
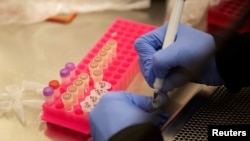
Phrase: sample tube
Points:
(48, 94)
(103, 85)
(80, 87)
(67, 99)
(104, 56)
(95, 99)
(109, 51)
(85, 78)
(95, 96)
(99, 60)
(99, 92)
(71, 67)
(65, 76)
(73, 90)
(113, 44)
(93, 66)
(87, 105)
(56, 86)
(97, 76)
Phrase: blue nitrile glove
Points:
(189, 58)
(118, 110)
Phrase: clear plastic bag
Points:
(31, 11)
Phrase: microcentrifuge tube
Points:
(85, 78)
(99, 92)
(67, 99)
(95, 96)
(102, 85)
(113, 44)
(18, 108)
(56, 86)
(104, 56)
(80, 87)
(97, 75)
(93, 66)
(48, 94)
(109, 51)
(95, 99)
(65, 76)
(87, 105)
(71, 67)
(73, 90)
(99, 60)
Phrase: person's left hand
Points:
(118, 110)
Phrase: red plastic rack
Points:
(221, 16)
(119, 73)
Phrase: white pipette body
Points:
(170, 36)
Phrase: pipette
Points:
(169, 39)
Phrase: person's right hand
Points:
(189, 58)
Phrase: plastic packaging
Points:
(30, 85)
(33, 103)
(15, 93)
(5, 104)
(32, 11)
(11, 100)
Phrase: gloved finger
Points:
(160, 101)
(110, 108)
(153, 40)
(146, 46)
(142, 102)
(146, 102)
(205, 77)
(146, 69)
(159, 117)
(167, 59)
(175, 78)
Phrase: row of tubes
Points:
(81, 83)
(75, 91)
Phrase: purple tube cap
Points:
(64, 72)
(70, 66)
(48, 91)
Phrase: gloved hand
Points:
(189, 58)
(118, 110)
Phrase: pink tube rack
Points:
(120, 72)
(221, 16)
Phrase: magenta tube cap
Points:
(64, 72)
(70, 66)
(48, 91)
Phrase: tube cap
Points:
(54, 84)
(64, 72)
(48, 91)
(70, 66)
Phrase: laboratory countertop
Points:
(36, 53)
